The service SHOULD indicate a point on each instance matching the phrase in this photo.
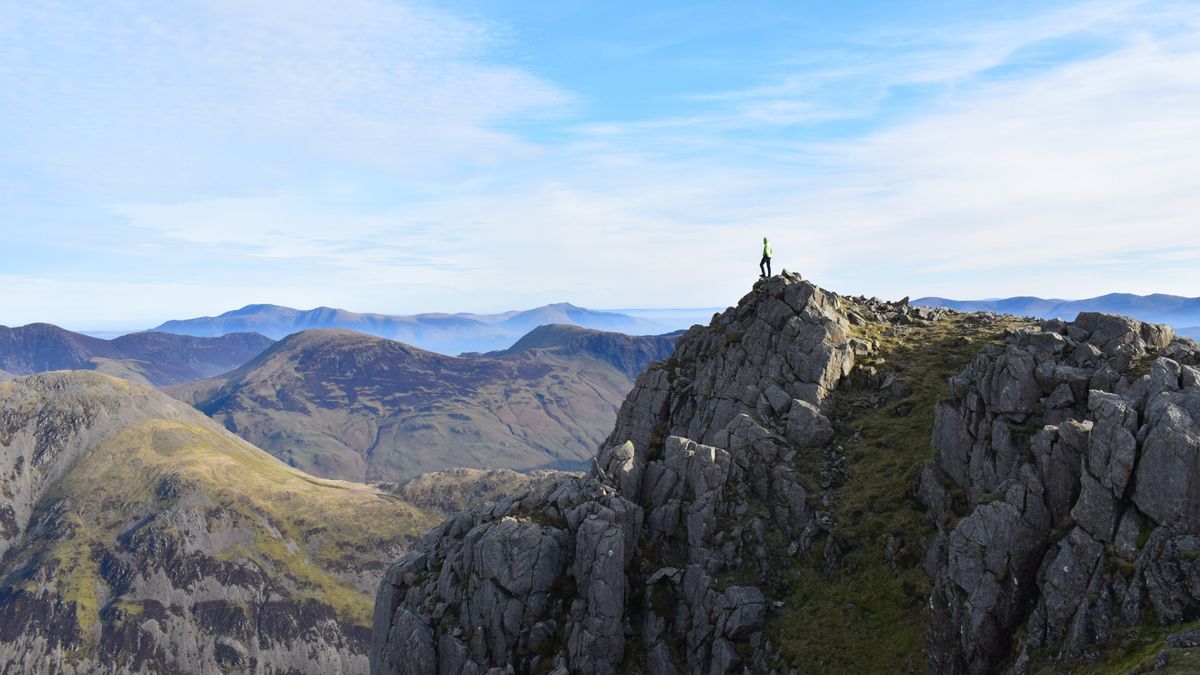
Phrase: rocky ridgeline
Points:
(626, 568)
(1066, 494)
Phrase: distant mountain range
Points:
(1180, 312)
(442, 333)
(341, 404)
(153, 358)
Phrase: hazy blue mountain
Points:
(277, 322)
(442, 333)
(153, 358)
(1180, 312)
(566, 313)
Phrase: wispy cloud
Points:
(212, 95)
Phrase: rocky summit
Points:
(572, 576)
(770, 501)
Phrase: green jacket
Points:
(766, 250)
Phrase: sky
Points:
(169, 160)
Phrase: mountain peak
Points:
(256, 309)
(760, 485)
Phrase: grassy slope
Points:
(1137, 655)
(305, 530)
(865, 616)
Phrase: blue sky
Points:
(162, 160)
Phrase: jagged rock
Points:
(620, 464)
(1054, 443)
(743, 609)
(559, 575)
(1067, 461)
(1188, 639)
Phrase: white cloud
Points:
(1088, 161)
(213, 97)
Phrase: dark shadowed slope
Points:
(153, 358)
(627, 353)
(348, 405)
(41, 346)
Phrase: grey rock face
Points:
(806, 426)
(787, 336)
(613, 571)
(1081, 497)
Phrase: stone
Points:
(806, 426)
(743, 609)
(1112, 444)
(1165, 485)
(621, 463)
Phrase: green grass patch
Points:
(1130, 651)
(867, 614)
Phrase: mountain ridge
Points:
(140, 536)
(148, 357)
(1179, 311)
(339, 403)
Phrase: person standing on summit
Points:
(766, 260)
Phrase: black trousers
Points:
(766, 260)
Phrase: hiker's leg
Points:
(768, 267)
(762, 272)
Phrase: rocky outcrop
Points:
(627, 567)
(1065, 493)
